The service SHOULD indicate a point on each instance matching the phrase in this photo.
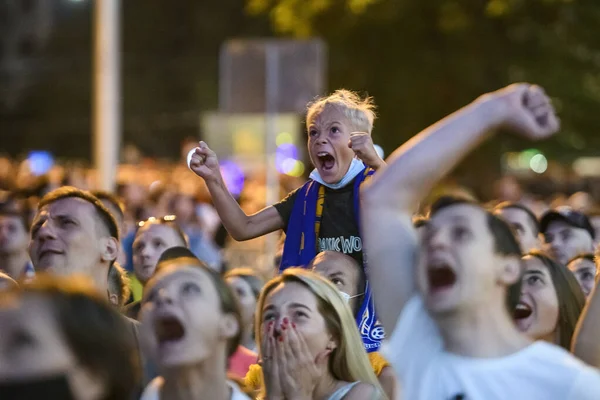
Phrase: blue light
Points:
(40, 162)
(233, 176)
(284, 153)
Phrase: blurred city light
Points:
(233, 177)
(40, 162)
(538, 164)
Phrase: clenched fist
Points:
(204, 163)
(362, 145)
(524, 109)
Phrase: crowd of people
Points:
(376, 291)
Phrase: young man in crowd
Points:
(14, 238)
(524, 224)
(567, 234)
(444, 300)
(73, 233)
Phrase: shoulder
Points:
(364, 391)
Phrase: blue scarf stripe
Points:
(302, 225)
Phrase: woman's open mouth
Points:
(168, 330)
(522, 311)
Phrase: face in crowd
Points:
(551, 301)
(585, 270)
(468, 256)
(329, 130)
(61, 340)
(73, 235)
(189, 316)
(151, 240)
(14, 236)
(567, 234)
(344, 272)
(524, 224)
(246, 286)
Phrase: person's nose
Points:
(164, 297)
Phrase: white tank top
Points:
(343, 391)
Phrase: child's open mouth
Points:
(326, 160)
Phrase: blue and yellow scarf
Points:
(301, 247)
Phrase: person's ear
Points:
(229, 326)
(510, 270)
(110, 249)
(113, 299)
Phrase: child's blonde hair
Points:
(360, 112)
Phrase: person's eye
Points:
(335, 129)
(312, 132)
(337, 282)
(21, 338)
(268, 317)
(189, 288)
(239, 292)
(587, 276)
(300, 314)
(460, 232)
(534, 280)
(158, 243)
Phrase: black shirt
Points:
(339, 227)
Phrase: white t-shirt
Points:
(542, 371)
(152, 391)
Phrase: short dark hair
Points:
(112, 199)
(571, 299)
(534, 221)
(64, 192)
(118, 283)
(98, 335)
(505, 241)
(228, 300)
(169, 221)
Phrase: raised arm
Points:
(240, 226)
(585, 340)
(392, 196)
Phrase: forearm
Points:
(585, 344)
(234, 219)
(414, 168)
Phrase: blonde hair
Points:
(360, 112)
(348, 361)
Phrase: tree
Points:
(424, 59)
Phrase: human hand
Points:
(204, 163)
(524, 109)
(362, 145)
(270, 363)
(299, 370)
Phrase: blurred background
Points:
(238, 74)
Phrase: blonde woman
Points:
(309, 345)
